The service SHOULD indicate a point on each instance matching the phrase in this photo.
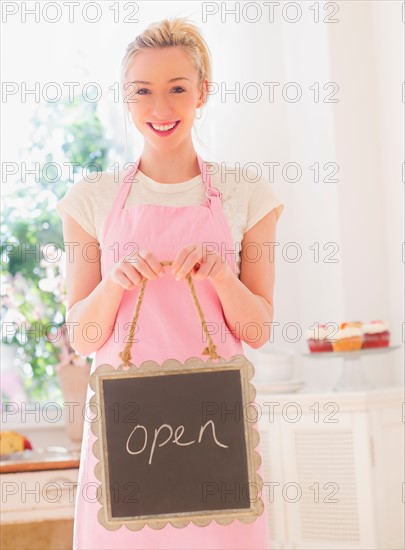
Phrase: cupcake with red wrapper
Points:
(318, 338)
(349, 337)
(376, 334)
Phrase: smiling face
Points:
(162, 94)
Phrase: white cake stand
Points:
(353, 376)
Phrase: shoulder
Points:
(247, 181)
(246, 175)
(93, 182)
(88, 200)
(230, 180)
(248, 184)
(240, 182)
(93, 188)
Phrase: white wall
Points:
(367, 59)
(362, 133)
(389, 55)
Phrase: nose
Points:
(162, 109)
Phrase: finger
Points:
(192, 258)
(206, 268)
(124, 281)
(180, 258)
(215, 271)
(152, 261)
(131, 273)
(140, 262)
(143, 269)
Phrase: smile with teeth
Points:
(163, 127)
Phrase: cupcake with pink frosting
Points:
(318, 338)
(376, 334)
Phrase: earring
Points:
(198, 114)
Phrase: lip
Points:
(164, 134)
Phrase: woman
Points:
(177, 208)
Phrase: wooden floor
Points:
(45, 535)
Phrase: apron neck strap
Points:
(206, 176)
(125, 186)
(121, 197)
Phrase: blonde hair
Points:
(176, 31)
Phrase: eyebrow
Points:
(171, 80)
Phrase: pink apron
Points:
(168, 327)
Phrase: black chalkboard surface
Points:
(175, 443)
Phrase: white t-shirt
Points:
(246, 198)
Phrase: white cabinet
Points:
(38, 495)
(334, 469)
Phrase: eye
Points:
(141, 90)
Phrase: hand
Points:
(195, 260)
(130, 271)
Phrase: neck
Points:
(174, 166)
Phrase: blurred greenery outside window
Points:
(34, 339)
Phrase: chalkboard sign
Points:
(175, 443)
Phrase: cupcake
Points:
(376, 335)
(348, 338)
(318, 339)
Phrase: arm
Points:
(85, 292)
(248, 302)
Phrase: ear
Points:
(203, 95)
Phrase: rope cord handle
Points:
(125, 355)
